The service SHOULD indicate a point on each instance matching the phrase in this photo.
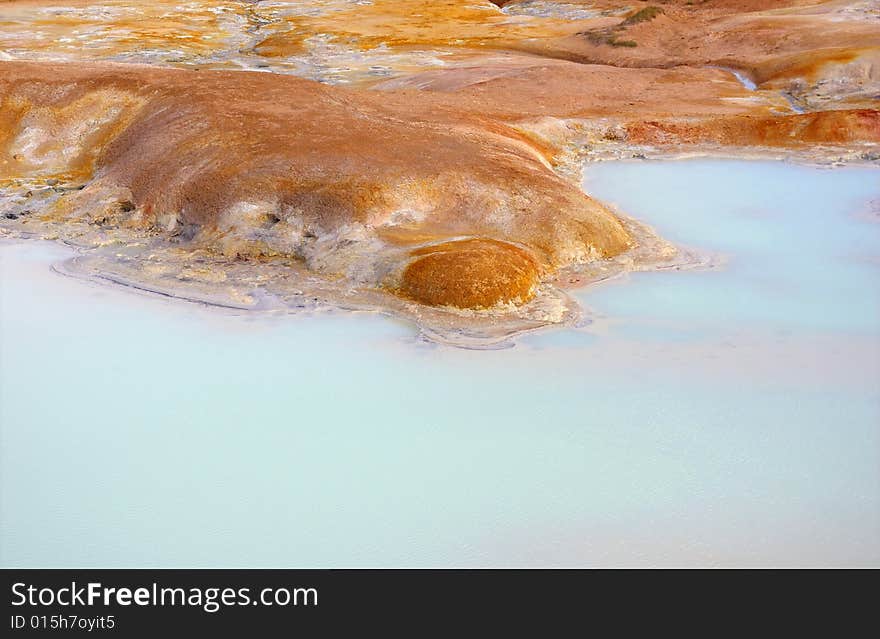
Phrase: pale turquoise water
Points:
(720, 417)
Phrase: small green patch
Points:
(598, 37)
(642, 15)
(608, 35)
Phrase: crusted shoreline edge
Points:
(138, 262)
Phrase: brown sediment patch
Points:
(471, 273)
(775, 43)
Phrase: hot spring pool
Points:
(728, 416)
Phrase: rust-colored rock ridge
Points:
(417, 157)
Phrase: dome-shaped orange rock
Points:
(472, 273)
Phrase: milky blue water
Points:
(728, 416)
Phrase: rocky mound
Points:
(259, 165)
(436, 161)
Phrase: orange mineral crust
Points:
(823, 53)
(473, 273)
(262, 165)
(425, 152)
(840, 127)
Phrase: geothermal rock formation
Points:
(426, 152)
